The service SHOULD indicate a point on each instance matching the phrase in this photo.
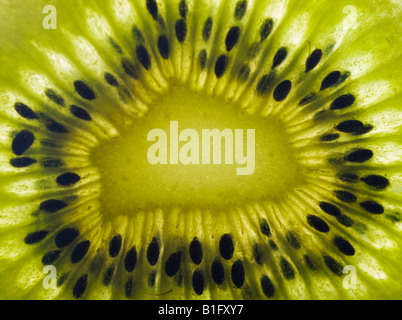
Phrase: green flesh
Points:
(313, 205)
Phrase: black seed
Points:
(333, 265)
(257, 254)
(244, 73)
(25, 111)
(172, 265)
(207, 29)
(22, 142)
(266, 29)
(124, 93)
(52, 205)
(376, 181)
(152, 278)
(329, 137)
(291, 238)
(108, 276)
(329, 48)
(80, 113)
(359, 156)
(343, 102)
(49, 144)
(50, 257)
(111, 79)
(183, 9)
(153, 252)
(22, 162)
(221, 65)
(129, 69)
(246, 294)
(62, 279)
(348, 177)
(115, 46)
(115, 245)
(350, 126)
(181, 30)
(163, 46)
(35, 237)
(44, 117)
(143, 57)
(307, 99)
(279, 57)
(320, 115)
(80, 286)
(226, 246)
(80, 251)
(161, 22)
(272, 244)
(282, 90)
(345, 196)
(254, 49)
(237, 273)
(53, 96)
(330, 209)
(152, 7)
(344, 76)
(55, 127)
(372, 207)
(97, 263)
(196, 251)
(52, 163)
(179, 280)
(128, 288)
(267, 286)
(240, 10)
(264, 84)
(217, 272)
(131, 259)
(232, 37)
(344, 246)
(313, 59)
(309, 263)
(393, 218)
(198, 282)
(330, 80)
(83, 90)
(137, 34)
(345, 220)
(65, 237)
(68, 179)
(317, 223)
(202, 58)
(287, 269)
(363, 130)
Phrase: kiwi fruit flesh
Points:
(319, 218)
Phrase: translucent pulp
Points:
(130, 182)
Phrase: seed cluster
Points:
(223, 262)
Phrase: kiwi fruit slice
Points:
(319, 217)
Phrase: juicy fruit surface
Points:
(319, 82)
